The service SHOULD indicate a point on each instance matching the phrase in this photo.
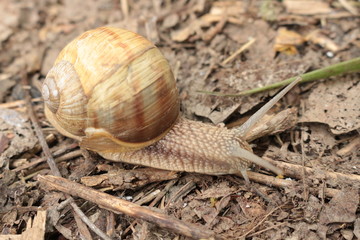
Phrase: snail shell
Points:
(111, 88)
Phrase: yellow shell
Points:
(111, 89)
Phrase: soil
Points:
(282, 39)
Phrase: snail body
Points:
(113, 90)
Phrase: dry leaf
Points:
(23, 138)
(307, 7)
(183, 34)
(4, 142)
(170, 21)
(318, 38)
(286, 41)
(229, 8)
(336, 104)
(342, 208)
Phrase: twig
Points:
(18, 103)
(151, 196)
(283, 183)
(82, 227)
(240, 50)
(269, 180)
(352, 65)
(353, 145)
(40, 160)
(35, 173)
(90, 224)
(267, 229)
(125, 8)
(50, 139)
(67, 156)
(45, 147)
(189, 186)
(295, 171)
(211, 33)
(260, 222)
(118, 205)
(303, 172)
(152, 204)
(50, 160)
(349, 7)
(163, 192)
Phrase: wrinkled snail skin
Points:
(190, 146)
(113, 90)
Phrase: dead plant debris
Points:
(204, 42)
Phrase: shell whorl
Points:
(65, 99)
(125, 92)
(50, 94)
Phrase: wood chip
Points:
(35, 229)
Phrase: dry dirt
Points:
(197, 37)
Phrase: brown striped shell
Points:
(111, 89)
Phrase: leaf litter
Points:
(196, 37)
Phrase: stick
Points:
(240, 50)
(283, 183)
(18, 103)
(118, 205)
(46, 149)
(43, 159)
(295, 171)
(39, 133)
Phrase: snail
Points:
(114, 91)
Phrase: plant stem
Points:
(352, 65)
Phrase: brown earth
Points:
(197, 37)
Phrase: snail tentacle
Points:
(246, 127)
(114, 91)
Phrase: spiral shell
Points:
(111, 88)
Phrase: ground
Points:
(319, 197)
